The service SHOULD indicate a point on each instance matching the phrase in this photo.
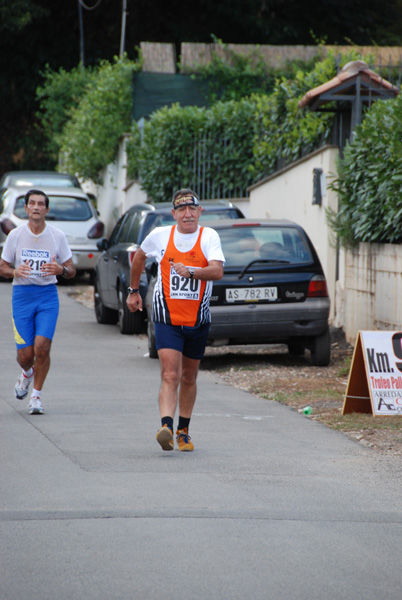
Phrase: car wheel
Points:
(129, 322)
(296, 347)
(321, 349)
(103, 314)
(153, 353)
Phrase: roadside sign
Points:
(375, 377)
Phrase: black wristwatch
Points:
(191, 271)
(65, 272)
(131, 290)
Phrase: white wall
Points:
(373, 289)
(288, 194)
(117, 194)
(243, 204)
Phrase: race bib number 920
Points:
(182, 288)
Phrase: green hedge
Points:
(164, 160)
(91, 137)
(249, 138)
(59, 94)
(369, 182)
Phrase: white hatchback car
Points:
(70, 210)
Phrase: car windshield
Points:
(161, 219)
(281, 245)
(61, 208)
(40, 180)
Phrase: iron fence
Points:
(212, 174)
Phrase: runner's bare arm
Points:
(66, 269)
(212, 272)
(9, 272)
(134, 301)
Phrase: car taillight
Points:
(7, 225)
(318, 287)
(131, 253)
(97, 231)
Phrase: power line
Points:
(89, 7)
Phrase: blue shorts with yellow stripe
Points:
(35, 312)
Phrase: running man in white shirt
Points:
(189, 259)
(33, 255)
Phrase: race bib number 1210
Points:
(35, 259)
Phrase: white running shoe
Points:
(35, 407)
(22, 386)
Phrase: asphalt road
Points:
(270, 505)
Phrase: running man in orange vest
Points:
(190, 257)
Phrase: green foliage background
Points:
(164, 161)
(90, 138)
(369, 182)
(85, 112)
(249, 138)
(59, 94)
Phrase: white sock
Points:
(28, 373)
(36, 394)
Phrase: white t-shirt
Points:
(156, 242)
(22, 245)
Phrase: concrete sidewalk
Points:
(270, 505)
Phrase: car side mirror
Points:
(102, 244)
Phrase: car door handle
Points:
(115, 258)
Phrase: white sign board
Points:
(375, 378)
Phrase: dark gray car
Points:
(112, 272)
(273, 290)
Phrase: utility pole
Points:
(82, 55)
(123, 29)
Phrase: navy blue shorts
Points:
(190, 341)
(35, 312)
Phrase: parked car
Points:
(273, 290)
(70, 209)
(112, 272)
(38, 179)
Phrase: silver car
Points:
(38, 179)
(70, 210)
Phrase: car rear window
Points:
(241, 245)
(61, 208)
(41, 181)
(162, 219)
(213, 215)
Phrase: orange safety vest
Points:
(183, 301)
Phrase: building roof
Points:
(343, 87)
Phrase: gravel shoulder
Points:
(272, 374)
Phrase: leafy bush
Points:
(165, 159)
(244, 139)
(90, 139)
(284, 132)
(369, 182)
(232, 75)
(60, 93)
